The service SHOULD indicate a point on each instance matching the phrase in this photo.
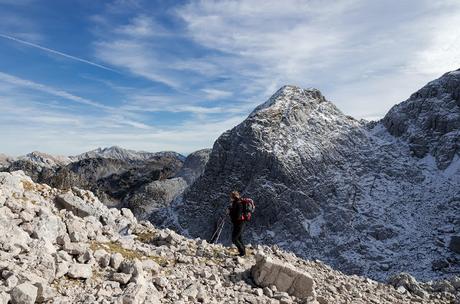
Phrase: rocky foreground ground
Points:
(60, 246)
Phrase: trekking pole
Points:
(220, 225)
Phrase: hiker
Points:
(240, 212)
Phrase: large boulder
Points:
(267, 272)
(24, 293)
(73, 203)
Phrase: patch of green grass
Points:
(115, 247)
(145, 236)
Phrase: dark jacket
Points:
(236, 211)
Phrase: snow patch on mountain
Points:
(45, 160)
(116, 152)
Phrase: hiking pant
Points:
(237, 233)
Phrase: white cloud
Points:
(141, 27)
(136, 57)
(344, 48)
(213, 94)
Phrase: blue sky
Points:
(173, 75)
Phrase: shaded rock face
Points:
(430, 119)
(330, 187)
(148, 201)
(153, 199)
(194, 165)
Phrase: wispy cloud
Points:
(49, 90)
(56, 52)
(136, 57)
(344, 48)
(213, 94)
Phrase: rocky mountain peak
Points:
(289, 99)
(45, 160)
(430, 119)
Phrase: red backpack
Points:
(248, 209)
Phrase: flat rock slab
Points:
(267, 272)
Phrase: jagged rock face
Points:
(194, 165)
(67, 247)
(329, 187)
(153, 199)
(430, 119)
(148, 201)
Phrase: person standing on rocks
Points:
(240, 211)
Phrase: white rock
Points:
(26, 216)
(4, 298)
(269, 272)
(11, 281)
(10, 234)
(190, 292)
(133, 294)
(24, 293)
(76, 248)
(78, 206)
(80, 271)
(62, 269)
(76, 228)
(115, 260)
(48, 227)
(161, 282)
(102, 257)
(151, 265)
(44, 292)
(122, 278)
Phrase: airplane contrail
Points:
(57, 52)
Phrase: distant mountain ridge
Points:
(118, 176)
(116, 152)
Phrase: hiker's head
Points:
(235, 195)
